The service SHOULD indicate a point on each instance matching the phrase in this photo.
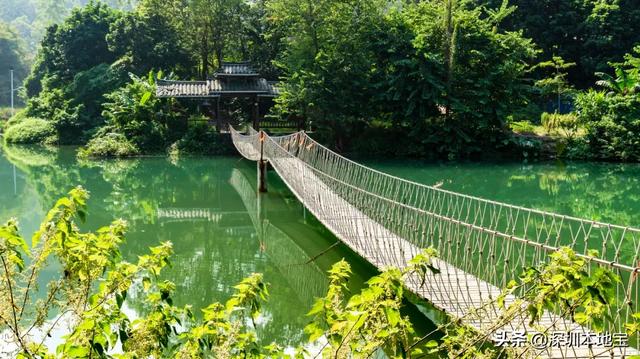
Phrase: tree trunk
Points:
(219, 56)
(204, 52)
(449, 51)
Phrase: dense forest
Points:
(429, 79)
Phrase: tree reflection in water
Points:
(218, 236)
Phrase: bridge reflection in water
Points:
(295, 280)
(303, 275)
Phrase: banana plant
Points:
(624, 83)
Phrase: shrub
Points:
(30, 130)
(591, 105)
(17, 118)
(67, 119)
(108, 145)
(566, 125)
(613, 125)
(202, 139)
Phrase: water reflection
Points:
(221, 230)
(304, 280)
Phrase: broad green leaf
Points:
(145, 98)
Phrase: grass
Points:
(527, 128)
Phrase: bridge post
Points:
(262, 166)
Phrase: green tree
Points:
(212, 30)
(76, 45)
(329, 63)
(590, 33)
(88, 56)
(438, 71)
(260, 41)
(612, 29)
(31, 18)
(627, 76)
(612, 119)
(485, 79)
(147, 41)
(557, 84)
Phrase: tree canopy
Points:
(449, 77)
(429, 69)
(589, 33)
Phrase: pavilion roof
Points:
(216, 88)
(232, 78)
(238, 69)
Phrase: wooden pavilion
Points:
(231, 80)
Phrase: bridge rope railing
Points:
(492, 241)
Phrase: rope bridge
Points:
(482, 244)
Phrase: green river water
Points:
(223, 232)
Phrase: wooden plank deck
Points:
(452, 290)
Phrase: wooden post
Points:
(262, 166)
(218, 114)
(255, 113)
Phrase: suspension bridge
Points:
(482, 244)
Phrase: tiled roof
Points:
(166, 88)
(215, 88)
(236, 69)
(273, 88)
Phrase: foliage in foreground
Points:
(92, 286)
(566, 284)
(94, 282)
